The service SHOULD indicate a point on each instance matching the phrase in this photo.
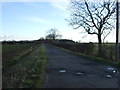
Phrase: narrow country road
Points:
(66, 70)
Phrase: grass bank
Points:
(97, 59)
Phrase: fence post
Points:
(117, 30)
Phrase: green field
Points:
(26, 68)
(13, 47)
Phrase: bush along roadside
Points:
(29, 73)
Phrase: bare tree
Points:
(95, 17)
(53, 34)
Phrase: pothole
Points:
(108, 76)
(91, 75)
(115, 71)
(111, 68)
(79, 73)
(62, 70)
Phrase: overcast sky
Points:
(30, 21)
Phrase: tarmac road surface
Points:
(66, 70)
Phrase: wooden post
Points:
(117, 30)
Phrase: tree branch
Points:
(90, 14)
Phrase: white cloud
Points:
(6, 37)
(58, 5)
(37, 20)
(34, 0)
(62, 5)
(33, 4)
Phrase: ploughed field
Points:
(23, 65)
(11, 50)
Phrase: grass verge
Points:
(42, 67)
(97, 59)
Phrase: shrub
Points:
(108, 51)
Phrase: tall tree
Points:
(95, 17)
(53, 34)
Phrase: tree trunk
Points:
(99, 45)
